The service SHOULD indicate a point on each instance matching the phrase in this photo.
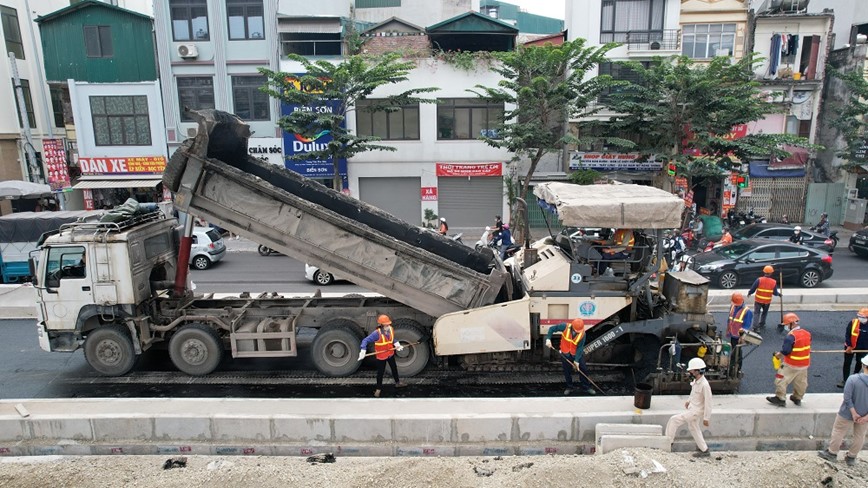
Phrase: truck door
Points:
(68, 286)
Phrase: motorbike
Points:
(674, 248)
(484, 240)
(266, 251)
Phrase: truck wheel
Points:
(335, 351)
(201, 263)
(109, 350)
(412, 360)
(196, 349)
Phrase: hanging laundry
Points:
(784, 45)
(774, 55)
(793, 42)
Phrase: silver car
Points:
(207, 248)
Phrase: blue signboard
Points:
(296, 144)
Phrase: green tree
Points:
(685, 112)
(326, 85)
(542, 87)
(851, 121)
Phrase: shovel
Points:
(392, 349)
(781, 283)
(576, 368)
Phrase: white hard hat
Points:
(797, 228)
(695, 364)
(442, 219)
(865, 360)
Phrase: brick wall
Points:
(408, 45)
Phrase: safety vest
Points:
(736, 320)
(765, 289)
(854, 333)
(570, 339)
(620, 237)
(383, 346)
(800, 357)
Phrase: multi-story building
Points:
(100, 67)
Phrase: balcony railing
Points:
(651, 40)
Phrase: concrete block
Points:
(425, 451)
(71, 428)
(554, 427)
(587, 423)
(793, 422)
(177, 429)
(112, 450)
(300, 430)
(240, 450)
(823, 424)
(483, 429)
(367, 450)
(610, 442)
(731, 424)
(13, 430)
(493, 449)
(362, 430)
(240, 429)
(129, 428)
(628, 429)
(423, 431)
(550, 449)
(830, 298)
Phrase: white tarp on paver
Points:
(613, 206)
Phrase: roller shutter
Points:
(470, 202)
(399, 196)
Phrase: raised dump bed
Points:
(214, 177)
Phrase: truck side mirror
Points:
(31, 263)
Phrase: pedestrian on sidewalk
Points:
(855, 339)
(796, 356)
(572, 353)
(765, 288)
(698, 407)
(740, 318)
(853, 413)
(385, 346)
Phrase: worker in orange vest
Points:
(765, 288)
(740, 318)
(856, 339)
(796, 356)
(385, 346)
(572, 353)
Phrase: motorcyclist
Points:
(674, 246)
(797, 236)
(505, 240)
(444, 228)
(725, 239)
(822, 226)
(785, 220)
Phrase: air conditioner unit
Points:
(654, 45)
(188, 51)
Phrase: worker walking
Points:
(572, 353)
(444, 227)
(853, 413)
(796, 356)
(856, 339)
(698, 407)
(739, 321)
(765, 288)
(385, 346)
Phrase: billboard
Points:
(299, 145)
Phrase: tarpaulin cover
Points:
(760, 169)
(618, 206)
(29, 226)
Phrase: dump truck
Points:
(465, 308)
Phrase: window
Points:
(57, 105)
(622, 18)
(245, 19)
(28, 104)
(189, 20)
(703, 41)
(620, 72)
(195, 93)
(467, 118)
(402, 123)
(121, 120)
(377, 3)
(310, 43)
(251, 103)
(98, 41)
(11, 31)
(765, 254)
(64, 263)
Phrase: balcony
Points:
(662, 42)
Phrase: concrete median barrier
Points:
(17, 302)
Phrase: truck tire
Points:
(335, 350)
(412, 360)
(196, 349)
(109, 350)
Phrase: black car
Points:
(783, 232)
(859, 242)
(742, 262)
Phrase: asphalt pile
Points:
(625, 467)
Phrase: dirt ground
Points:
(626, 467)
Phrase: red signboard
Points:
(120, 166)
(429, 193)
(469, 169)
(54, 155)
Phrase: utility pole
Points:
(27, 137)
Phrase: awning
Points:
(100, 183)
(313, 25)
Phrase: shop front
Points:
(469, 194)
(107, 182)
(622, 167)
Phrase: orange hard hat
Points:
(790, 318)
(384, 320)
(768, 270)
(863, 312)
(578, 324)
(737, 298)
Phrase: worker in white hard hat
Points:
(698, 407)
(444, 227)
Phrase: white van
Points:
(207, 248)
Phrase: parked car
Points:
(742, 262)
(859, 242)
(318, 276)
(207, 248)
(782, 232)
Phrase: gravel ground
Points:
(626, 467)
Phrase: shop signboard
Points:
(297, 145)
(54, 155)
(267, 149)
(136, 165)
(429, 193)
(466, 170)
(602, 161)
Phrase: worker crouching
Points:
(572, 353)
(698, 407)
(385, 346)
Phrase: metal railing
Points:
(650, 40)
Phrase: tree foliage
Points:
(327, 84)
(686, 112)
(851, 121)
(542, 87)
